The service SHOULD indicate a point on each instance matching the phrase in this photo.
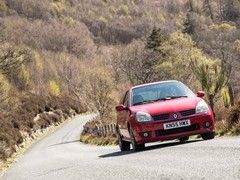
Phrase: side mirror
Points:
(121, 108)
(200, 94)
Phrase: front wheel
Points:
(123, 145)
(207, 136)
(136, 147)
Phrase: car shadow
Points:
(62, 143)
(148, 148)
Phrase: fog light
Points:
(145, 134)
(207, 124)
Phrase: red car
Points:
(162, 111)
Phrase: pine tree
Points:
(155, 40)
(189, 24)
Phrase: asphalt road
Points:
(62, 156)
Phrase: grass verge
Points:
(100, 141)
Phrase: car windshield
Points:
(159, 92)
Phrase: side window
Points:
(125, 99)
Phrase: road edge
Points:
(21, 151)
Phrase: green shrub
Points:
(5, 89)
(226, 98)
(123, 9)
(54, 88)
(3, 7)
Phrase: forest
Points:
(59, 58)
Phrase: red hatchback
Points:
(162, 111)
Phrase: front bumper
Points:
(156, 131)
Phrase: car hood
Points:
(168, 106)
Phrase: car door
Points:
(123, 116)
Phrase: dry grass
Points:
(4, 165)
(228, 120)
(100, 141)
(34, 113)
(92, 135)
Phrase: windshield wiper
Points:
(143, 102)
(160, 99)
(169, 98)
(175, 97)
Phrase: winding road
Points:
(61, 156)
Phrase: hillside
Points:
(69, 56)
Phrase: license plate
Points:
(177, 124)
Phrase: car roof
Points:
(158, 82)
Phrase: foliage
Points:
(3, 7)
(231, 10)
(55, 54)
(237, 46)
(58, 7)
(100, 141)
(136, 63)
(99, 91)
(123, 9)
(12, 57)
(5, 91)
(155, 40)
(212, 79)
(25, 75)
(189, 24)
(92, 135)
(226, 98)
(54, 88)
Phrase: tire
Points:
(208, 136)
(123, 145)
(183, 139)
(136, 147)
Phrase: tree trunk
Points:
(210, 8)
(211, 101)
(231, 94)
(191, 5)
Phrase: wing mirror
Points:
(121, 108)
(200, 94)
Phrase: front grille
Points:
(161, 117)
(161, 132)
(188, 112)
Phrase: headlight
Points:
(202, 107)
(143, 117)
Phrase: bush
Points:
(123, 10)
(5, 88)
(9, 136)
(91, 128)
(91, 134)
(51, 35)
(19, 122)
(234, 116)
(33, 9)
(3, 8)
(100, 141)
(54, 88)
(111, 33)
(98, 90)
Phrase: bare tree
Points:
(208, 5)
(136, 63)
